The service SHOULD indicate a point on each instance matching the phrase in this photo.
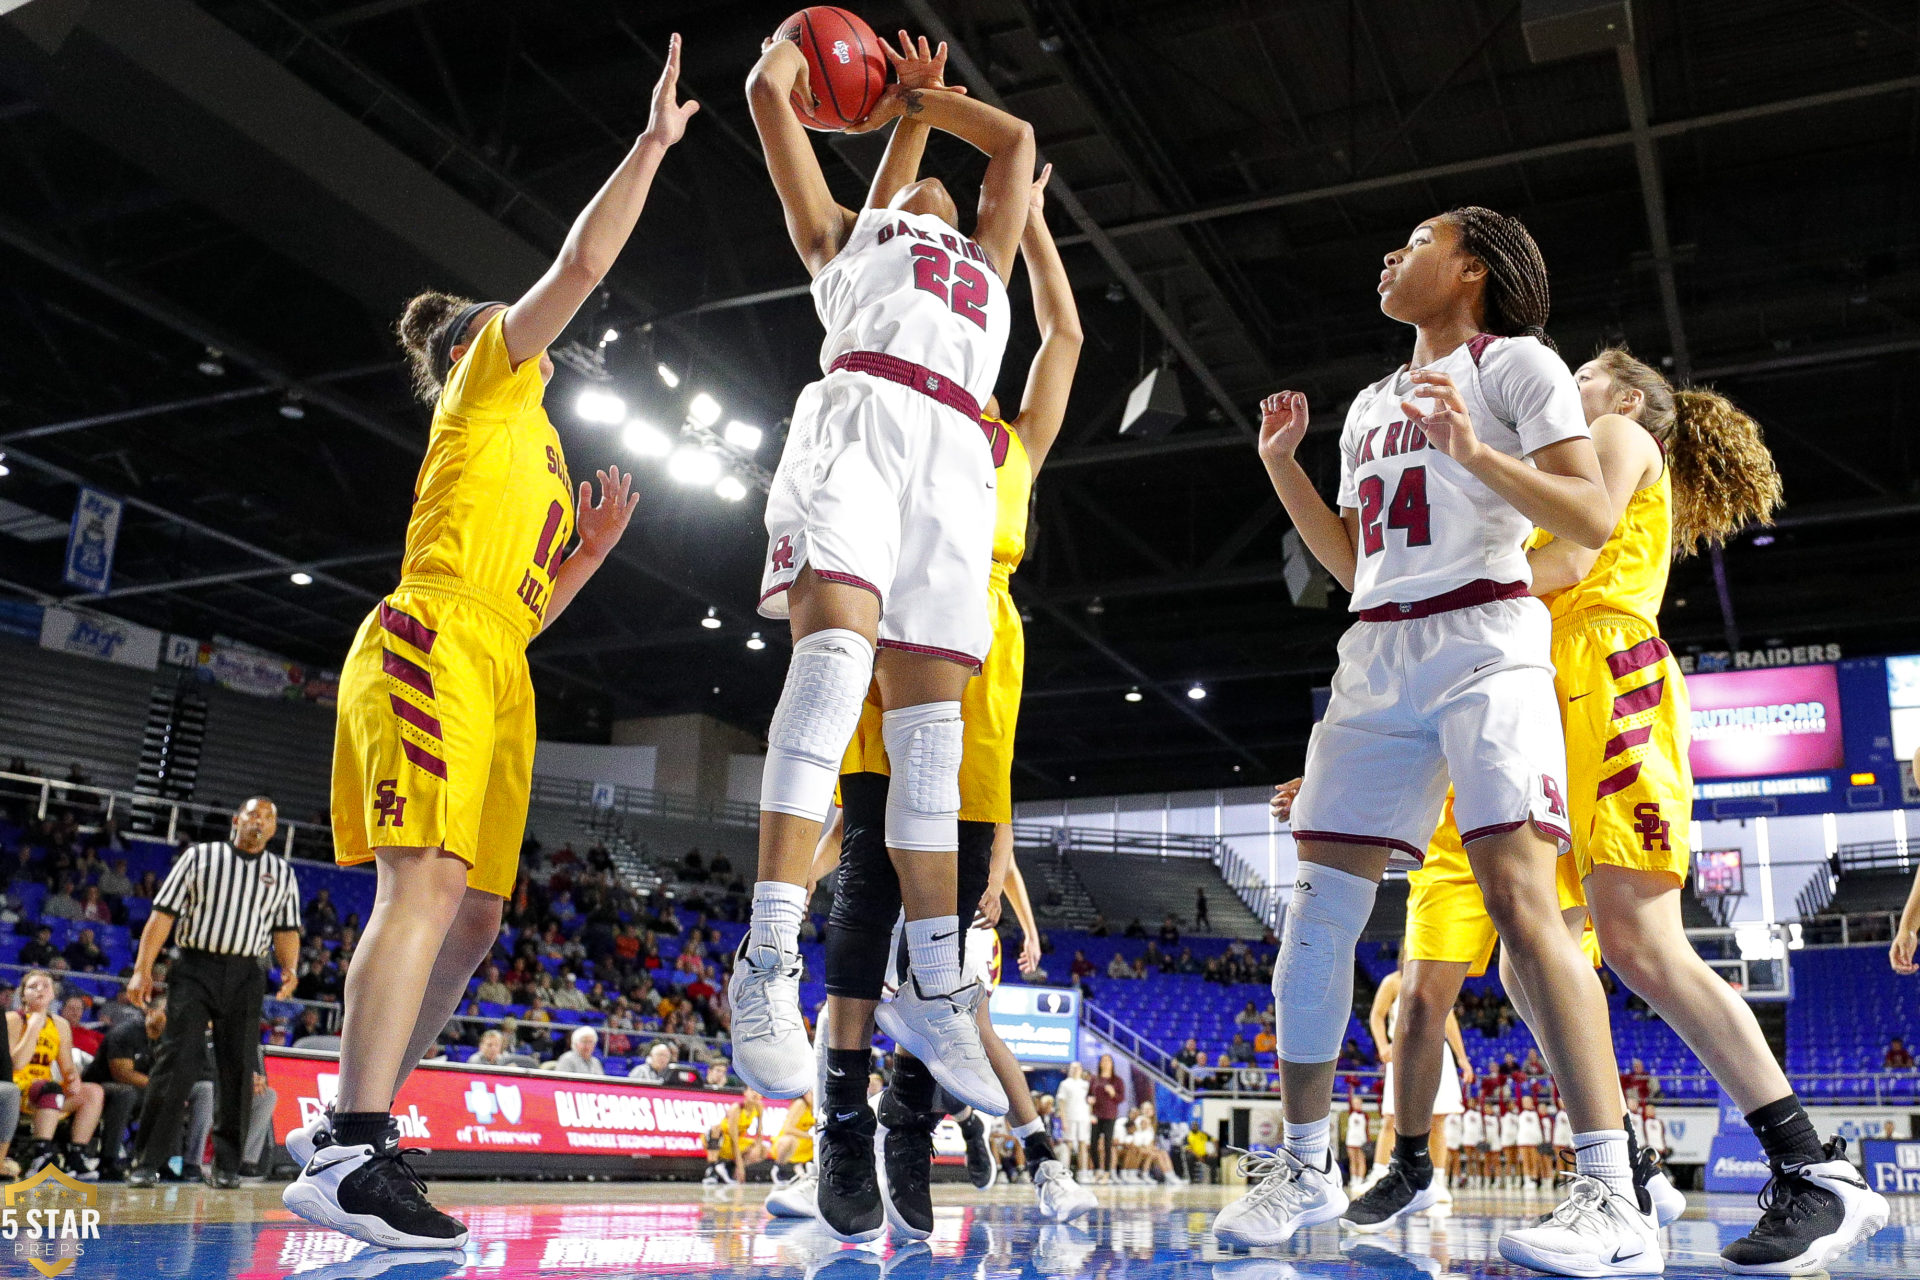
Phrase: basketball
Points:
(845, 67)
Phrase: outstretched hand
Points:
(1447, 426)
(917, 66)
(601, 523)
(1283, 424)
(668, 116)
(1037, 194)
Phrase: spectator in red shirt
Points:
(1106, 1095)
(86, 1038)
(1082, 967)
(1898, 1057)
(1635, 1082)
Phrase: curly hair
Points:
(1518, 298)
(1724, 479)
(419, 327)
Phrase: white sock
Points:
(1602, 1154)
(933, 949)
(1307, 1143)
(1030, 1128)
(778, 908)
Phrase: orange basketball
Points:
(845, 67)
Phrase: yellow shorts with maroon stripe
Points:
(1447, 916)
(1623, 703)
(990, 710)
(433, 745)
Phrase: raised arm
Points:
(918, 67)
(1629, 461)
(1043, 407)
(537, 320)
(816, 223)
(1331, 535)
(1008, 143)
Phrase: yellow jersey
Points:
(43, 1062)
(493, 506)
(1630, 576)
(1013, 492)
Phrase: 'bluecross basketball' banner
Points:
(96, 527)
(1892, 1167)
(1736, 1162)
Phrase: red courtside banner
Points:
(453, 1109)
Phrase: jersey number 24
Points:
(1408, 510)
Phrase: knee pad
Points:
(923, 802)
(818, 712)
(1313, 978)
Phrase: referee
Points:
(222, 902)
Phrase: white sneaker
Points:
(795, 1198)
(1593, 1232)
(373, 1196)
(1061, 1198)
(1810, 1215)
(1669, 1202)
(1061, 1250)
(941, 1032)
(301, 1143)
(1286, 1196)
(770, 1049)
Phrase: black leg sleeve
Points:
(866, 892)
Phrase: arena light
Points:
(1197, 691)
(755, 643)
(693, 466)
(5, 470)
(611, 335)
(645, 439)
(212, 364)
(744, 436)
(600, 406)
(704, 409)
(300, 578)
(667, 375)
(1134, 694)
(712, 621)
(291, 409)
(730, 489)
(1762, 539)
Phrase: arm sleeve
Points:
(1533, 391)
(485, 383)
(177, 892)
(1349, 495)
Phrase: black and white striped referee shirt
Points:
(228, 902)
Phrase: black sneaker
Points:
(372, 1194)
(848, 1196)
(222, 1179)
(140, 1177)
(1391, 1198)
(904, 1145)
(1810, 1214)
(980, 1166)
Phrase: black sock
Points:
(1414, 1157)
(846, 1080)
(1786, 1133)
(358, 1128)
(913, 1085)
(1039, 1148)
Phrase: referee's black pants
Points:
(204, 988)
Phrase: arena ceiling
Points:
(1734, 193)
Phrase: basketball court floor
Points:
(653, 1229)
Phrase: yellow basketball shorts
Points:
(990, 709)
(1447, 915)
(1624, 705)
(433, 745)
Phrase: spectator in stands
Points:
(39, 950)
(61, 904)
(579, 1059)
(491, 989)
(1898, 1057)
(566, 995)
(1098, 929)
(86, 1037)
(1189, 1053)
(1533, 1068)
(492, 1051)
(1139, 970)
(148, 886)
(1118, 967)
(693, 867)
(1135, 929)
(1201, 920)
(320, 917)
(1264, 1040)
(1352, 1057)
(121, 1070)
(653, 1068)
(1170, 931)
(1635, 1083)
(114, 882)
(717, 1075)
(1081, 966)
(84, 954)
(1239, 1050)
(1247, 1016)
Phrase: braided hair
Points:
(1517, 296)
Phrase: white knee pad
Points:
(1313, 977)
(818, 712)
(923, 800)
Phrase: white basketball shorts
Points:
(884, 488)
(1447, 1102)
(1467, 695)
(1077, 1126)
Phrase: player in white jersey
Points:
(1356, 1140)
(1531, 1138)
(1447, 674)
(1473, 1140)
(880, 531)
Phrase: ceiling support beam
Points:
(241, 575)
(164, 407)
